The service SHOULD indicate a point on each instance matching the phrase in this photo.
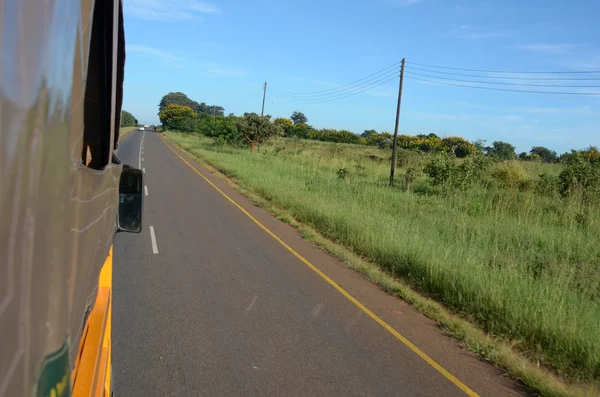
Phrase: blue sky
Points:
(221, 52)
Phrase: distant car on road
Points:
(141, 128)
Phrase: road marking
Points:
(153, 238)
(254, 299)
(144, 170)
(335, 285)
(140, 155)
(146, 189)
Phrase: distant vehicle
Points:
(141, 128)
(146, 126)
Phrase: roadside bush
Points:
(383, 140)
(547, 185)
(443, 172)
(439, 170)
(409, 158)
(581, 177)
(469, 172)
(508, 173)
(188, 125)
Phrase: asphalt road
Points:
(212, 305)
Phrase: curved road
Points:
(206, 303)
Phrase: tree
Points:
(286, 125)
(501, 150)
(257, 129)
(547, 155)
(302, 130)
(459, 146)
(480, 145)
(177, 117)
(368, 133)
(216, 110)
(127, 119)
(423, 136)
(179, 98)
(299, 118)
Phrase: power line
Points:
(339, 97)
(505, 89)
(380, 72)
(507, 78)
(503, 71)
(504, 83)
(356, 90)
(364, 84)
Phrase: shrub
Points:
(409, 158)
(547, 185)
(443, 172)
(581, 177)
(509, 173)
(383, 140)
(440, 170)
(459, 146)
(286, 125)
(469, 172)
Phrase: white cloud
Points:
(169, 10)
(171, 59)
(464, 27)
(549, 48)
(177, 61)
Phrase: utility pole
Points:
(262, 112)
(395, 143)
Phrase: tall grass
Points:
(521, 266)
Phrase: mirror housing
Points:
(131, 200)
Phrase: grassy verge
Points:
(124, 131)
(502, 262)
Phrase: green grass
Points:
(520, 266)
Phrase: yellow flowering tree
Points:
(285, 124)
(174, 117)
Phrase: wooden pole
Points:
(262, 112)
(395, 142)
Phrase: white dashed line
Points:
(140, 159)
(146, 190)
(153, 238)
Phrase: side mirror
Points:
(131, 200)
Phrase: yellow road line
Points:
(335, 285)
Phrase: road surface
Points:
(208, 303)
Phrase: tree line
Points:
(127, 119)
(178, 112)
